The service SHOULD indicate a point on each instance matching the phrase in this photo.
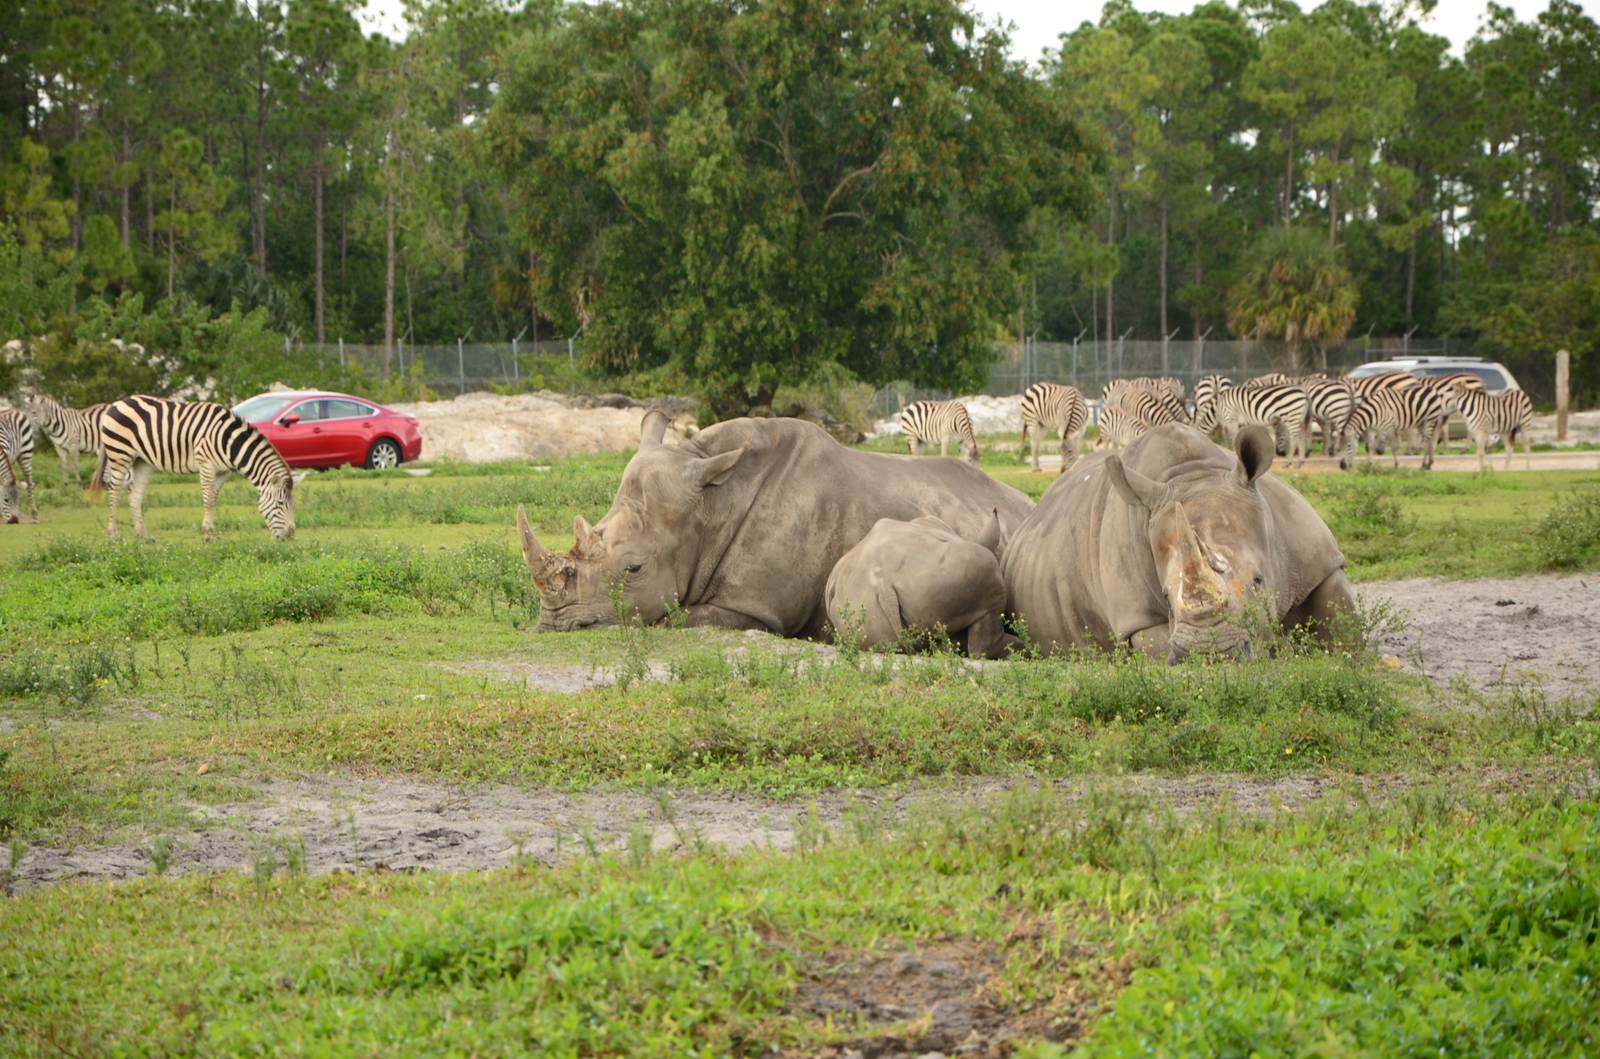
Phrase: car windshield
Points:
(259, 409)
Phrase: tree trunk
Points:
(260, 205)
(149, 217)
(1111, 240)
(172, 235)
(1411, 277)
(533, 304)
(316, 209)
(1333, 204)
(1288, 181)
(1164, 220)
(127, 188)
(388, 266)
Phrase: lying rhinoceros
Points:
(919, 575)
(1162, 547)
(741, 525)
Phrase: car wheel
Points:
(384, 453)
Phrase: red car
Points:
(315, 428)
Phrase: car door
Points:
(347, 426)
(298, 442)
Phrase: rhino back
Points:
(769, 537)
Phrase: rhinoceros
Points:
(919, 575)
(741, 525)
(1164, 546)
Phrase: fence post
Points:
(1563, 381)
(461, 366)
(341, 351)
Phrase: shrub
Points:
(1569, 535)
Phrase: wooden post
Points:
(1563, 375)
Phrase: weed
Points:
(263, 866)
(1569, 535)
(160, 854)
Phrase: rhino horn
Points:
(652, 429)
(993, 536)
(1199, 589)
(536, 555)
(1256, 448)
(1134, 487)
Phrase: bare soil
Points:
(1545, 627)
(489, 428)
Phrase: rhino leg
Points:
(1153, 642)
(1327, 610)
(722, 618)
(987, 638)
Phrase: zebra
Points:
(146, 434)
(16, 445)
(1118, 427)
(1050, 406)
(1205, 401)
(1508, 413)
(1114, 391)
(924, 422)
(1388, 414)
(70, 430)
(1272, 378)
(1166, 384)
(1280, 408)
(1329, 402)
(1155, 407)
(1447, 386)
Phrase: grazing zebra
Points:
(70, 430)
(1114, 391)
(1508, 413)
(1385, 416)
(925, 422)
(1205, 401)
(1447, 385)
(1118, 427)
(1166, 384)
(147, 434)
(1329, 402)
(1050, 406)
(8, 490)
(1155, 407)
(1261, 382)
(1280, 408)
(1389, 380)
(16, 445)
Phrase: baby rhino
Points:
(917, 575)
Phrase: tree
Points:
(1294, 287)
(740, 195)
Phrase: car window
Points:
(1493, 379)
(341, 409)
(309, 411)
(1365, 370)
(259, 409)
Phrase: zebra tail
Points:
(97, 481)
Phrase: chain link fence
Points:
(451, 370)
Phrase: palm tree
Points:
(1294, 287)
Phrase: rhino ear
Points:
(1256, 449)
(714, 470)
(585, 538)
(652, 429)
(1135, 488)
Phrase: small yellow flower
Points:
(1288, 750)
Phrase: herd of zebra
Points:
(1388, 411)
(135, 437)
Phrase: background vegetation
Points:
(731, 200)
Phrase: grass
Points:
(1445, 922)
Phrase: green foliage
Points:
(1294, 287)
(839, 184)
(1569, 535)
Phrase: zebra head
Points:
(276, 501)
(1212, 546)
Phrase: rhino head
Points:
(645, 547)
(1211, 541)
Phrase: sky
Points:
(1037, 23)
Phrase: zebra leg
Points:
(61, 450)
(1299, 442)
(1481, 439)
(210, 485)
(1036, 468)
(944, 446)
(1070, 448)
(27, 476)
(142, 473)
(115, 477)
(1527, 447)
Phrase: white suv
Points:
(1495, 376)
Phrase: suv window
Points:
(1493, 380)
(341, 409)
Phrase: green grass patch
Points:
(1446, 922)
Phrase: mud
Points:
(334, 823)
(1496, 631)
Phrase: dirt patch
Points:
(342, 824)
(488, 428)
(1544, 627)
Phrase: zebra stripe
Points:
(1385, 416)
(1280, 408)
(1050, 406)
(925, 422)
(1261, 382)
(70, 430)
(1155, 408)
(1508, 413)
(1118, 427)
(1166, 384)
(1205, 401)
(16, 454)
(1329, 402)
(1447, 385)
(146, 434)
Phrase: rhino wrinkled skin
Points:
(918, 575)
(1164, 546)
(741, 526)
